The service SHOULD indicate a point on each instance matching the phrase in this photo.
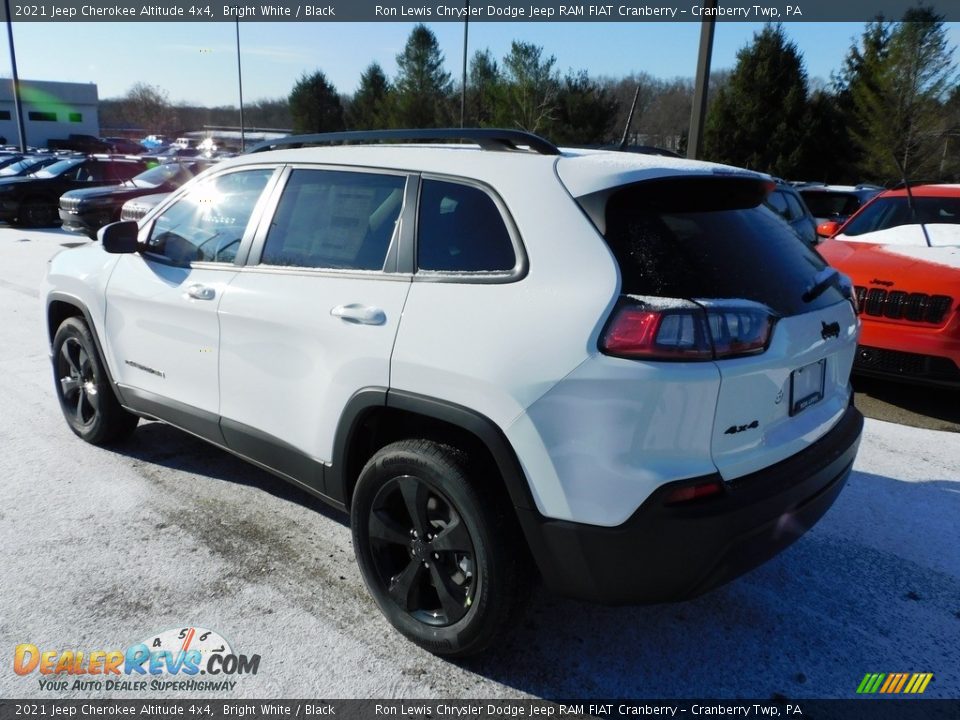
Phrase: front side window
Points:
(888, 212)
(334, 220)
(460, 229)
(208, 223)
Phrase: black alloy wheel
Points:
(439, 548)
(77, 382)
(422, 551)
(83, 387)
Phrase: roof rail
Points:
(487, 138)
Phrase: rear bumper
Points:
(667, 553)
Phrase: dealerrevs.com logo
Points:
(183, 659)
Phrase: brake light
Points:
(689, 493)
(664, 329)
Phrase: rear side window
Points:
(334, 220)
(709, 238)
(460, 229)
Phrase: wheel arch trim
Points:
(485, 430)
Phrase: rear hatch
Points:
(710, 275)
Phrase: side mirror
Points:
(119, 237)
(828, 229)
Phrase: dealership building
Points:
(51, 110)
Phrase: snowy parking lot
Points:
(103, 548)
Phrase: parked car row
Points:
(84, 192)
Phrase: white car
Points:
(615, 372)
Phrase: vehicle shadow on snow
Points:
(929, 402)
(167, 446)
(875, 585)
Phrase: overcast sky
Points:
(196, 62)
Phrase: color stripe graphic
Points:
(892, 683)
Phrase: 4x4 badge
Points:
(829, 331)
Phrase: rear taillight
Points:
(666, 329)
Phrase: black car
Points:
(33, 200)
(836, 203)
(27, 165)
(89, 209)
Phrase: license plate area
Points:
(806, 386)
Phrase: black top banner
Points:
(468, 10)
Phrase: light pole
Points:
(239, 84)
(463, 86)
(698, 114)
(16, 81)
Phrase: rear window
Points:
(890, 212)
(709, 238)
(830, 204)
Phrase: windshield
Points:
(19, 166)
(57, 169)
(830, 204)
(891, 212)
(168, 173)
(709, 238)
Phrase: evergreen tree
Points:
(483, 89)
(369, 109)
(315, 105)
(423, 87)
(757, 118)
(900, 83)
(585, 111)
(530, 90)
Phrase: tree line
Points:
(895, 102)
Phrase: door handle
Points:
(201, 292)
(362, 314)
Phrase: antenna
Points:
(626, 130)
(913, 206)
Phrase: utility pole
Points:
(698, 114)
(463, 86)
(18, 107)
(243, 146)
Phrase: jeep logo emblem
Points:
(829, 331)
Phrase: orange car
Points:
(904, 260)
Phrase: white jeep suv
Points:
(619, 373)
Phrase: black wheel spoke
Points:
(79, 411)
(65, 354)
(401, 586)
(452, 596)
(453, 538)
(415, 496)
(383, 527)
(93, 397)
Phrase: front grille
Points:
(69, 204)
(895, 362)
(134, 212)
(899, 305)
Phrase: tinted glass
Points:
(336, 220)
(460, 229)
(830, 204)
(890, 212)
(58, 168)
(794, 207)
(208, 223)
(778, 203)
(710, 251)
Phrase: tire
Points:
(439, 557)
(83, 387)
(35, 212)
